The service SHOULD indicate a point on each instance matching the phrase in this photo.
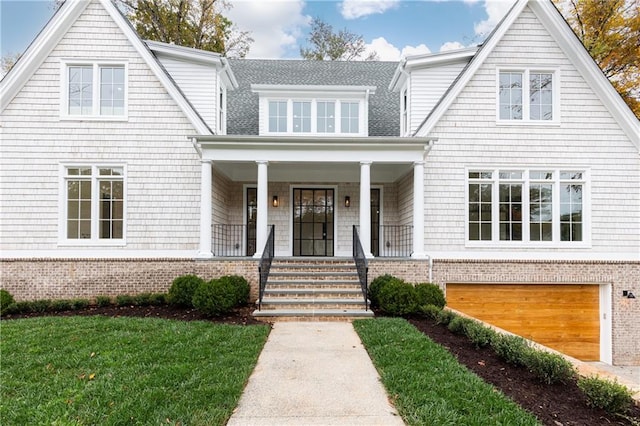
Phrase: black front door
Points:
(251, 215)
(313, 222)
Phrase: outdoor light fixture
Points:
(628, 294)
(347, 201)
(275, 201)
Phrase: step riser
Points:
(318, 296)
(311, 306)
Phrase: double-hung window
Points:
(534, 206)
(315, 116)
(94, 90)
(527, 96)
(350, 117)
(326, 116)
(301, 116)
(93, 204)
(278, 116)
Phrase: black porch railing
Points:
(265, 264)
(227, 240)
(361, 265)
(396, 240)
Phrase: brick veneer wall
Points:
(30, 279)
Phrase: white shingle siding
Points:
(587, 138)
(163, 170)
(198, 82)
(427, 87)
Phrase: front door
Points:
(313, 223)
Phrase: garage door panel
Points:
(563, 317)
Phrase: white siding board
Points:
(588, 137)
(163, 170)
(427, 87)
(198, 83)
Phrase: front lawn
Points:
(99, 370)
(427, 384)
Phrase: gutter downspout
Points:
(194, 142)
(426, 152)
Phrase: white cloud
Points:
(388, 52)
(354, 9)
(451, 45)
(496, 10)
(274, 25)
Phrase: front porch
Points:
(313, 191)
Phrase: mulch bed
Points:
(554, 405)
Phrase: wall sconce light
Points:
(347, 201)
(275, 202)
(628, 294)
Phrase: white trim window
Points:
(350, 117)
(93, 204)
(527, 96)
(527, 206)
(94, 90)
(326, 117)
(301, 116)
(277, 116)
(316, 116)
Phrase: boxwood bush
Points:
(103, 301)
(549, 367)
(215, 297)
(510, 348)
(610, 396)
(6, 300)
(429, 311)
(377, 285)
(397, 297)
(240, 286)
(479, 334)
(182, 290)
(429, 294)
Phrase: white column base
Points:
(419, 256)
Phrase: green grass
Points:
(427, 384)
(115, 371)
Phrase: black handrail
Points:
(265, 264)
(362, 265)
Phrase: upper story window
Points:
(93, 204)
(314, 110)
(94, 90)
(526, 205)
(527, 96)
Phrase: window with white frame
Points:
(222, 110)
(527, 96)
(93, 203)
(95, 90)
(526, 205)
(350, 117)
(315, 116)
(277, 116)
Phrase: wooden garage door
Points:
(562, 317)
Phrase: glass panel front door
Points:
(313, 222)
(375, 221)
(251, 214)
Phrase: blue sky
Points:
(279, 27)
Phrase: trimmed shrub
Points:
(430, 294)
(23, 307)
(39, 306)
(62, 305)
(182, 290)
(480, 335)
(6, 300)
(158, 298)
(377, 285)
(125, 300)
(609, 396)
(142, 299)
(445, 316)
(549, 367)
(429, 311)
(458, 324)
(78, 304)
(397, 297)
(241, 288)
(103, 301)
(510, 348)
(215, 297)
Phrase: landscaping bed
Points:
(555, 405)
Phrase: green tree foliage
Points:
(327, 45)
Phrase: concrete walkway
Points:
(314, 373)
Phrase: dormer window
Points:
(314, 110)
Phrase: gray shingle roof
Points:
(242, 103)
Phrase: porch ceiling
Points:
(312, 172)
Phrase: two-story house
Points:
(507, 173)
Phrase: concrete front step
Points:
(312, 283)
(319, 275)
(315, 291)
(312, 314)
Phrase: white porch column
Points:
(206, 209)
(365, 207)
(263, 208)
(418, 210)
